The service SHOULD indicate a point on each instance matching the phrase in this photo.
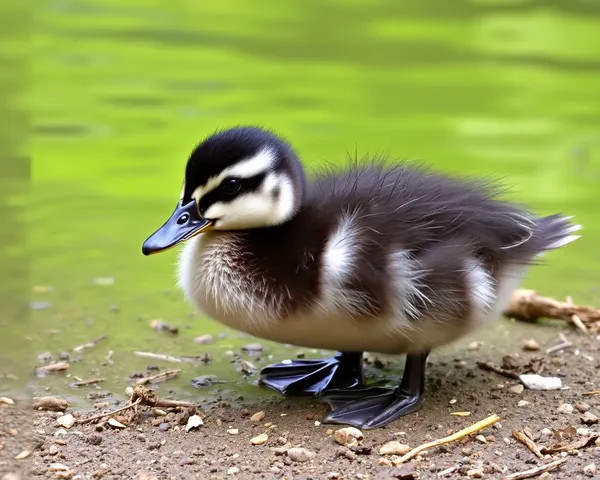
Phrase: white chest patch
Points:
(211, 277)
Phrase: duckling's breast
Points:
(216, 274)
(226, 279)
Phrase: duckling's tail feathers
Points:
(556, 231)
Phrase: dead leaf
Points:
(575, 445)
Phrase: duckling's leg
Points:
(376, 407)
(312, 377)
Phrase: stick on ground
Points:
(534, 472)
(109, 414)
(53, 367)
(525, 440)
(486, 422)
(574, 318)
(160, 377)
(91, 381)
(141, 396)
(500, 371)
(528, 305)
(593, 392)
(90, 344)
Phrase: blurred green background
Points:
(120, 91)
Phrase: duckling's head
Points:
(236, 179)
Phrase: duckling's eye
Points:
(231, 186)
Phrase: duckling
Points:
(394, 259)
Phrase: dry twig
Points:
(159, 377)
(53, 367)
(81, 421)
(449, 470)
(565, 343)
(500, 371)
(150, 399)
(576, 444)
(486, 422)
(142, 396)
(171, 358)
(593, 392)
(534, 472)
(91, 381)
(575, 320)
(525, 440)
(90, 344)
(528, 305)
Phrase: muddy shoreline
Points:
(156, 445)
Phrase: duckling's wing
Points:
(411, 206)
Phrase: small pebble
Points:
(259, 439)
(394, 448)
(298, 454)
(517, 389)
(348, 436)
(93, 439)
(233, 431)
(582, 407)
(590, 470)
(163, 427)
(233, 470)
(481, 438)
(531, 345)
(66, 421)
(522, 403)
(258, 416)
(475, 473)
(589, 418)
(113, 422)
(205, 339)
(193, 422)
(546, 432)
(565, 408)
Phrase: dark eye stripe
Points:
(250, 184)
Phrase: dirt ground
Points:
(152, 446)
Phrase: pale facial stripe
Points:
(259, 163)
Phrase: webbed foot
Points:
(312, 377)
(369, 408)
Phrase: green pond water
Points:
(119, 92)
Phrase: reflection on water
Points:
(122, 91)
